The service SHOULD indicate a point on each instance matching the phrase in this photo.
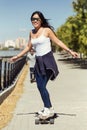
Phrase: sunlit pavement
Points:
(68, 94)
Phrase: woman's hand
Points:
(14, 58)
(74, 54)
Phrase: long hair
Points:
(45, 22)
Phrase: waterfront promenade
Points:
(69, 97)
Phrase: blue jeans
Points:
(41, 84)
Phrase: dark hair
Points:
(45, 22)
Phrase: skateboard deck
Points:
(49, 120)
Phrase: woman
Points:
(45, 67)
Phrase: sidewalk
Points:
(69, 97)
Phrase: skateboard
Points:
(49, 120)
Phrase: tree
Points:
(80, 7)
(74, 31)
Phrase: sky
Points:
(15, 15)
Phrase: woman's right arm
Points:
(23, 52)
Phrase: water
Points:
(8, 53)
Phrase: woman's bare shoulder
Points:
(47, 30)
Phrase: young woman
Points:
(40, 38)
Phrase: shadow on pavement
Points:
(30, 113)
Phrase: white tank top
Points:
(42, 45)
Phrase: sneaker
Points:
(44, 109)
(46, 113)
(52, 111)
(40, 112)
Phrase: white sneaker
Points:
(40, 112)
(45, 109)
(47, 112)
(52, 111)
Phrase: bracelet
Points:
(69, 50)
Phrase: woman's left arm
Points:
(53, 37)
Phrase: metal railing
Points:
(9, 71)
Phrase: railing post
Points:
(5, 74)
(8, 75)
(0, 74)
(9, 71)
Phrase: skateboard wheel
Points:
(51, 121)
(37, 121)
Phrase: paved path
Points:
(68, 94)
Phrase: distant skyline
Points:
(15, 15)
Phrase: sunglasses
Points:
(35, 19)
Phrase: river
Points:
(8, 53)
